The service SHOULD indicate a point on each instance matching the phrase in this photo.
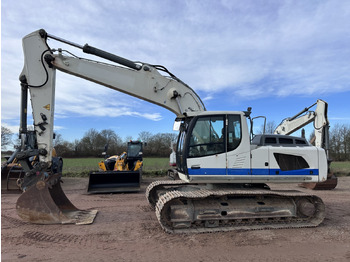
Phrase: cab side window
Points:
(234, 132)
(207, 136)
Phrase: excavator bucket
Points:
(114, 181)
(46, 203)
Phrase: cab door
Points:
(238, 149)
(206, 151)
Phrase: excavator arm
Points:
(152, 83)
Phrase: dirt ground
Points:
(126, 229)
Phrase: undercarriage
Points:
(189, 208)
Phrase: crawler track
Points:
(182, 210)
(155, 188)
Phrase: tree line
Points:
(339, 141)
(94, 143)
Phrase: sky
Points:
(277, 57)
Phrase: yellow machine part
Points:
(121, 166)
(102, 165)
(54, 154)
(120, 163)
(138, 165)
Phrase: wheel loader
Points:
(119, 173)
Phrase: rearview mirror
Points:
(176, 126)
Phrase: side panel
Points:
(260, 161)
(210, 165)
(286, 164)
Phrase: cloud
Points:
(57, 128)
(247, 48)
(340, 119)
(292, 43)
(208, 98)
(13, 128)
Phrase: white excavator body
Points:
(214, 149)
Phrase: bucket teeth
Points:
(46, 203)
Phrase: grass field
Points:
(155, 166)
(341, 168)
(83, 166)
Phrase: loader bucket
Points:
(43, 203)
(114, 182)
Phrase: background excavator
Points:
(223, 174)
(11, 172)
(320, 137)
(119, 173)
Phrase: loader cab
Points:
(134, 153)
(207, 143)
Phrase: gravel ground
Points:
(126, 229)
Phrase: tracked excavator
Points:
(319, 118)
(223, 175)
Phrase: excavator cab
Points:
(119, 173)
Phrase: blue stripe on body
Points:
(309, 172)
(254, 171)
(207, 171)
